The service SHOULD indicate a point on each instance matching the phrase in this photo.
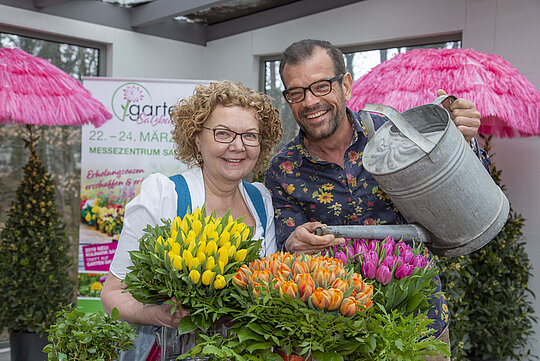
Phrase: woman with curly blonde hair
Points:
(189, 115)
(224, 132)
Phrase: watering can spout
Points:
(407, 232)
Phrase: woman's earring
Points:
(199, 158)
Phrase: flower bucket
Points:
(174, 345)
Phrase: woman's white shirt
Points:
(158, 200)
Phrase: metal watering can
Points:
(423, 163)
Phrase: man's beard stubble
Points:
(333, 125)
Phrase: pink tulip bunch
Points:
(379, 260)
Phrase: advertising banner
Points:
(115, 159)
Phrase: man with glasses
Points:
(318, 177)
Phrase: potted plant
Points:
(34, 263)
(98, 336)
(488, 295)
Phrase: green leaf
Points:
(256, 328)
(327, 356)
(414, 301)
(213, 350)
(186, 325)
(259, 346)
(115, 314)
(246, 334)
(273, 357)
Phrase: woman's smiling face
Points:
(228, 162)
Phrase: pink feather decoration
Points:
(509, 102)
(33, 91)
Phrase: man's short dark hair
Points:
(303, 50)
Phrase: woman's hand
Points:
(163, 315)
(133, 311)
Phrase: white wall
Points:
(130, 55)
(507, 28)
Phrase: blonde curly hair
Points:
(189, 114)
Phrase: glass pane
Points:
(59, 147)
(273, 87)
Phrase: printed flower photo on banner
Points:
(105, 213)
(90, 284)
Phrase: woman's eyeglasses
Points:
(249, 139)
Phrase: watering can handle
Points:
(442, 98)
(404, 127)
(367, 121)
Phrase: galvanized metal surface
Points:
(446, 190)
(409, 232)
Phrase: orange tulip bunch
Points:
(319, 281)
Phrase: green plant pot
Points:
(26, 346)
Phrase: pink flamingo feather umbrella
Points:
(33, 91)
(509, 102)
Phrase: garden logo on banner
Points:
(115, 159)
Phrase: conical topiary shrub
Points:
(488, 295)
(34, 263)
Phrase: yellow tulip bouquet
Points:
(192, 259)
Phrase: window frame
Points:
(101, 47)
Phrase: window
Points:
(358, 61)
(59, 147)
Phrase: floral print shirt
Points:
(305, 188)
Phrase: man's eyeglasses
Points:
(319, 88)
(249, 139)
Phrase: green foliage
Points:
(231, 349)
(96, 336)
(33, 255)
(272, 322)
(409, 294)
(489, 297)
(288, 325)
(402, 338)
